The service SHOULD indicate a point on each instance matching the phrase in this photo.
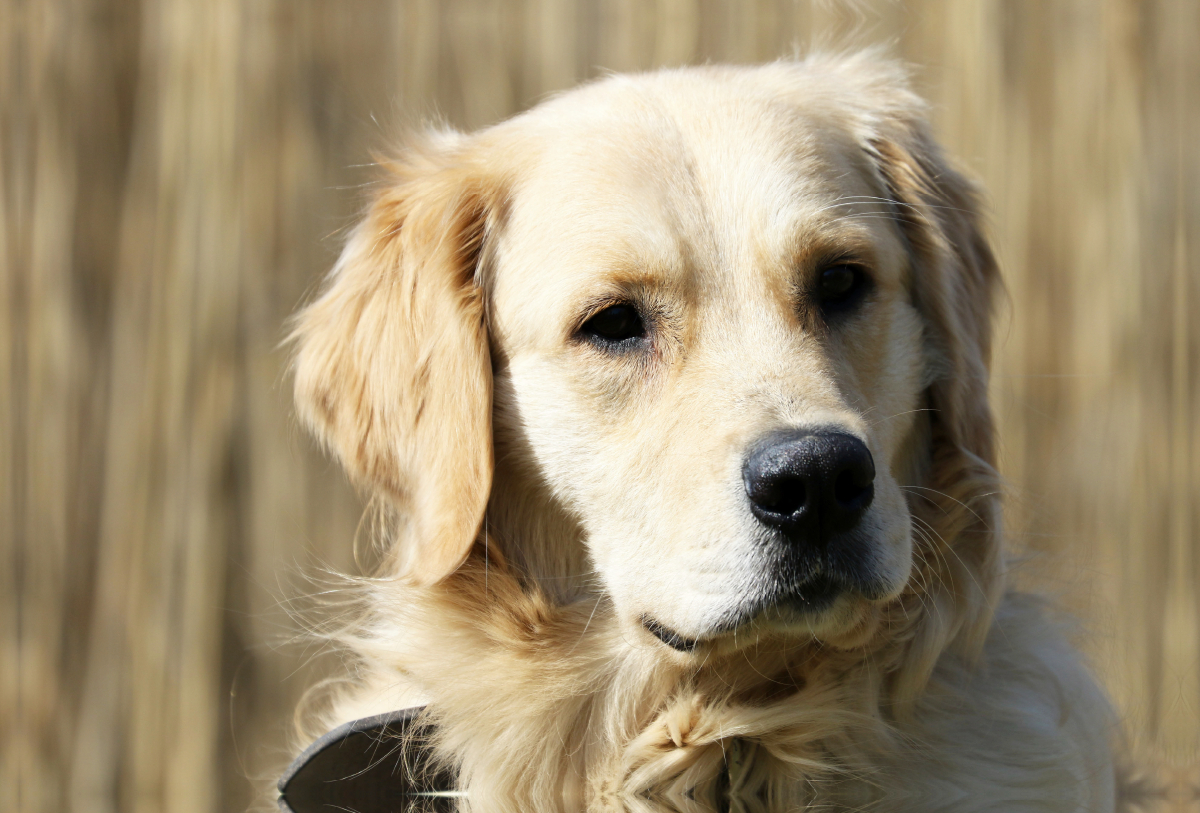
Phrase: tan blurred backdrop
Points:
(175, 175)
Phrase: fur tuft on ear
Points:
(392, 371)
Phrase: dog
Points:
(673, 394)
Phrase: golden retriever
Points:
(674, 390)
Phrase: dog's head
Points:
(702, 341)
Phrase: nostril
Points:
(785, 496)
(849, 488)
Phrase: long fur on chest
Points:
(552, 708)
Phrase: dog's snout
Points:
(810, 485)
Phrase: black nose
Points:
(810, 485)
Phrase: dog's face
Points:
(714, 304)
(712, 354)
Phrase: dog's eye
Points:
(615, 324)
(840, 286)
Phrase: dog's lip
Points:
(668, 637)
(812, 596)
(789, 604)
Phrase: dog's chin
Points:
(819, 610)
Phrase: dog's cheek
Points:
(576, 443)
(657, 524)
(684, 557)
(572, 443)
(894, 536)
(894, 380)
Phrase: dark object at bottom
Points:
(378, 764)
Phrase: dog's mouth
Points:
(792, 605)
(812, 596)
(671, 639)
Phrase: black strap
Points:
(379, 764)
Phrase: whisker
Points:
(583, 632)
(954, 499)
(898, 414)
(848, 200)
(943, 548)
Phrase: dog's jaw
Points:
(836, 618)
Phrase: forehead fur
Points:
(726, 132)
(652, 176)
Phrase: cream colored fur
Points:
(543, 498)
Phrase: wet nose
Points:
(810, 485)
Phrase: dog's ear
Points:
(392, 371)
(954, 280)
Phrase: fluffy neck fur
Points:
(551, 707)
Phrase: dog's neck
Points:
(521, 686)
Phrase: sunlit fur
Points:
(542, 497)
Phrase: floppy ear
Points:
(954, 282)
(391, 366)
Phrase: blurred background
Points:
(175, 176)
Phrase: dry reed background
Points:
(174, 175)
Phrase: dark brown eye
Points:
(615, 325)
(840, 286)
